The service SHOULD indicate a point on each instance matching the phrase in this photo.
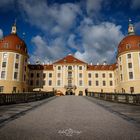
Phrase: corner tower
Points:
(129, 62)
(13, 63)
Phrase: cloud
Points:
(48, 52)
(9, 4)
(1, 33)
(99, 41)
(58, 17)
(135, 4)
(93, 6)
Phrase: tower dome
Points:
(13, 43)
(131, 42)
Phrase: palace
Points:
(69, 75)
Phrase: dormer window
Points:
(139, 44)
(128, 46)
(5, 45)
(18, 47)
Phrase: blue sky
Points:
(88, 29)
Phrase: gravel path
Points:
(70, 117)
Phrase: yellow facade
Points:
(69, 75)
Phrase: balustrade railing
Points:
(23, 97)
(117, 97)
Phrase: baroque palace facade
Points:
(69, 75)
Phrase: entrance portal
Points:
(69, 92)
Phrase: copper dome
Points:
(13, 43)
(129, 43)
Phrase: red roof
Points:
(129, 43)
(69, 59)
(102, 67)
(13, 43)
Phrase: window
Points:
(96, 75)
(17, 56)
(69, 82)
(128, 46)
(59, 67)
(3, 64)
(1, 89)
(58, 75)
(110, 75)
(58, 82)
(5, 45)
(16, 65)
(5, 55)
(37, 82)
(69, 74)
(121, 76)
(44, 75)
(18, 47)
(80, 75)
(15, 75)
(111, 83)
(103, 75)
(24, 77)
(80, 67)
(38, 75)
(120, 67)
(129, 56)
(130, 75)
(89, 75)
(129, 65)
(90, 83)
(44, 82)
(50, 75)
(3, 74)
(80, 83)
(69, 67)
(31, 82)
(97, 83)
(14, 89)
(104, 83)
(120, 59)
(132, 89)
(50, 82)
(32, 75)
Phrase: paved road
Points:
(70, 117)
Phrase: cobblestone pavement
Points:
(70, 118)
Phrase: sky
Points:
(89, 29)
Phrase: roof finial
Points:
(131, 28)
(14, 28)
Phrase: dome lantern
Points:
(14, 28)
(131, 30)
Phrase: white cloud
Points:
(93, 6)
(1, 33)
(48, 52)
(135, 4)
(58, 17)
(99, 41)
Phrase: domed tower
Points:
(129, 62)
(13, 63)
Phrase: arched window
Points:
(69, 67)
